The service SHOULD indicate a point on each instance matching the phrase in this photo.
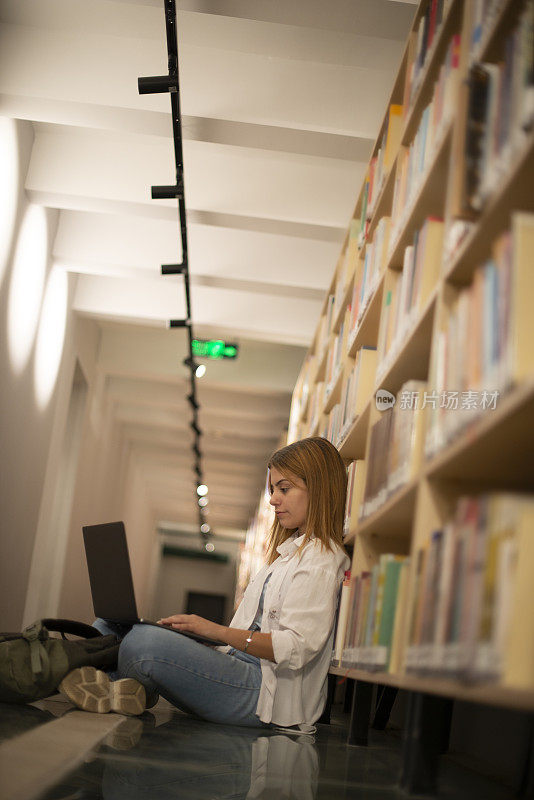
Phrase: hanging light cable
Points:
(171, 83)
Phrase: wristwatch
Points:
(248, 641)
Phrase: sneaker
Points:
(91, 690)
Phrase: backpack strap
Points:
(64, 626)
(35, 635)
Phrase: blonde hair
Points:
(318, 464)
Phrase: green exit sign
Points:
(214, 348)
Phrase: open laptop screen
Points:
(110, 575)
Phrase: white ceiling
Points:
(281, 104)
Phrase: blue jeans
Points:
(219, 687)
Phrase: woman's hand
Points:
(192, 623)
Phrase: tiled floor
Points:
(51, 751)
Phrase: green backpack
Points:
(33, 664)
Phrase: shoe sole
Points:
(127, 697)
(91, 690)
(88, 689)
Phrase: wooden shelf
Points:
(340, 313)
(321, 365)
(493, 451)
(514, 193)
(487, 693)
(435, 58)
(395, 517)
(335, 394)
(367, 332)
(304, 410)
(412, 361)
(496, 449)
(490, 49)
(429, 200)
(383, 202)
(353, 445)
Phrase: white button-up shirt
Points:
(299, 610)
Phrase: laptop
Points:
(110, 576)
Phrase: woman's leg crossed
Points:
(192, 676)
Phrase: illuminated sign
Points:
(214, 348)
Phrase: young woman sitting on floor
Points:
(273, 669)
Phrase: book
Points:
(398, 638)
(416, 603)
(429, 244)
(383, 561)
(344, 606)
(478, 80)
(389, 604)
(375, 492)
(405, 447)
(367, 634)
(354, 586)
(394, 129)
(354, 494)
(365, 593)
(444, 595)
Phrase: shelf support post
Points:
(349, 694)
(526, 788)
(426, 737)
(384, 704)
(360, 713)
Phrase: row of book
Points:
(451, 615)
(500, 112)
(379, 167)
(253, 550)
(413, 163)
(368, 273)
(355, 390)
(348, 265)
(414, 160)
(354, 393)
(316, 406)
(484, 14)
(332, 425)
(482, 345)
(408, 291)
(425, 34)
(480, 350)
(403, 301)
(366, 636)
(325, 326)
(300, 403)
(395, 447)
(336, 353)
(465, 578)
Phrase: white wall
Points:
(64, 460)
(25, 432)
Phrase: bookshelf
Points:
(433, 285)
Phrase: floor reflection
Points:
(193, 759)
(165, 754)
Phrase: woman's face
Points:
(289, 498)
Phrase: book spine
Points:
(342, 617)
